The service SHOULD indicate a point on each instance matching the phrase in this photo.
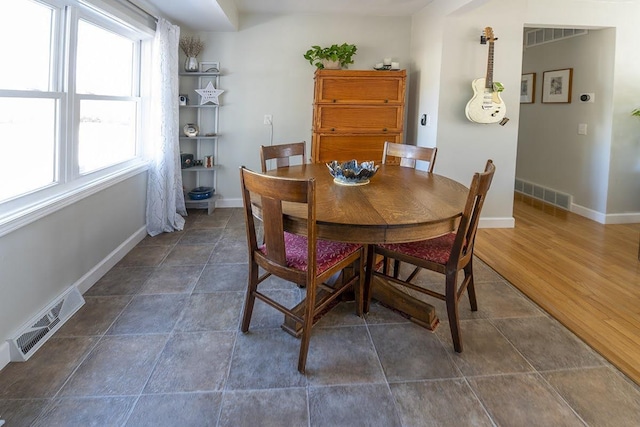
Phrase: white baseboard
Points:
(100, 269)
(508, 222)
(588, 213)
(5, 355)
(622, 218)
(229, 203)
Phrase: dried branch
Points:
(191, 45)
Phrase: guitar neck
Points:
(489, 76)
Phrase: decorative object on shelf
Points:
(186, 160)
(210, 67)
(191, 130)
(201, 193)
(636, 112)
(209, 94)
(192, 47)
(528, 88)
(183, 99)
(207, 162)
(387, 64)
(352, 173)
(556, 86)
(332, 57)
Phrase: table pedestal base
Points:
(417, 311)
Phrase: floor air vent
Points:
(553, 197)
(37, 331)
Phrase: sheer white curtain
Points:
(165, 201)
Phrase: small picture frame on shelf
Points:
(209, 67)
(183, 99)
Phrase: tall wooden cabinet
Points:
(355, 112)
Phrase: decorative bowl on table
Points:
(352, 172)
(201, 193)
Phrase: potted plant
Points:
(334, 56)
(636, 112)
(191, 46)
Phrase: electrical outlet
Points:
(268, 119)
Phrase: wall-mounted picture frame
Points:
(528, 88)
(556, 86)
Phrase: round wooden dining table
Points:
(399, 204)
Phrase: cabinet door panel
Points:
(349, 118)
(362, 147)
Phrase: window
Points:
(70, 103)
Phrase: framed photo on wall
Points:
(556, 86)
(528, 88)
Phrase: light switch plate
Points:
(582, 129)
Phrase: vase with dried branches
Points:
(191, 46)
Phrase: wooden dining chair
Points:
(446, 254)
(282, 153)
(302, 259)
(408, 154)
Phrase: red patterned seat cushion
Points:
(437, 250)
(328, 252)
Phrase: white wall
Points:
(43, 259)
(264, 73)
(623, 194)
(550, 151)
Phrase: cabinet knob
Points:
(333, 129)
(386, 101)
(335, 100)
(384, 129)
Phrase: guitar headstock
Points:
(488, 33)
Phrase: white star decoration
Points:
(209, 94)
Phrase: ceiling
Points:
(222, 15)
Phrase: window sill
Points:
(12, 220)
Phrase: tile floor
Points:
(157, 344)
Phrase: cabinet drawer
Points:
(359, 87)
(348, 118)
(328, 147)
(360, 91)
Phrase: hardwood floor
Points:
(585, 274)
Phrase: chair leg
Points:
(250, 298)
(452, 310)
(359, 285)
(396, 268)
(471, 289)
(305, 338)
(368, 279)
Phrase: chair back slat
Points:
(282, 153)
(409, 154)
(466, 234)
(263, 197)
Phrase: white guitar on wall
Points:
(486, 106)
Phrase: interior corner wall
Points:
(623, 192)
(551, 153)
(264, 72)
(41, 260)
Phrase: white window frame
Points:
(70, 186)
